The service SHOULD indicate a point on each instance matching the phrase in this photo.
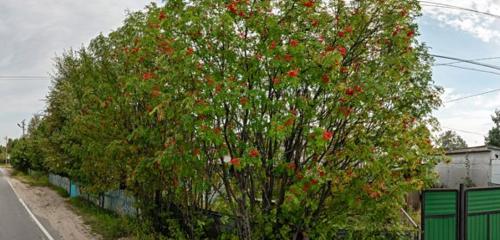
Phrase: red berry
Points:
(293, 73)
(294, 43)
(273, 45)
(232, 7)
(147, 76)
(315, 22)
(290, 121)
(162, 16)
(306, 186)
(196, 151)
(243, 100)
(325, 79)
(235, 162)
(342, 50)
(309, 3)
(349, 91)
(254, 153)
(348, 29)
(346, 111)
(358, 89)
(327, 135)
(410, 33)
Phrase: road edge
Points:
(40, 226)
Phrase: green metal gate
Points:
(482, 218)
(440, 214)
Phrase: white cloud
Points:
(481, 26)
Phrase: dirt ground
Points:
(47, 204)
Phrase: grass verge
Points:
(38, 179)
(107, 224)
(102, 222)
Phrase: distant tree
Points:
(34, 123)
(19, 155)
(450, 140)
(493, 137)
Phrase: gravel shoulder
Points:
(53, 209)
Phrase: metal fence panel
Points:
(59, 181)
(116, 201)
(440, 215)
(482, 213)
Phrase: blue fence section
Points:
(117, 201)
(59, 181)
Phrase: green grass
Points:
(38, 179)
(105, 223)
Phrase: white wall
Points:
(495, 171)
(452, 174)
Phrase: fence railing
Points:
(117, 201)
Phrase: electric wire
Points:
(467, 61)
(476, 59)
(465, 131)
(474, 95)
(470, 69)
(449, 6)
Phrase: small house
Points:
(472, 166)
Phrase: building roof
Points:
(477, 149)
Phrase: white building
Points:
(473, 166)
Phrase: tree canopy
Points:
(450, 140)
(493, 137)
(294, 118)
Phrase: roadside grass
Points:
(38, 179)
(105, 223)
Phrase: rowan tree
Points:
(291, 119)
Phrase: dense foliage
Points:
(27, 152)
(286, 119)
(493, 137)
(450, 140)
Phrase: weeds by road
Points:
(71, 218)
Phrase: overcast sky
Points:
(469, 36)
(33, 32)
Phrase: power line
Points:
(477, 59)
(464, 131)
(475, 95)
(448, 6)
(25, 76)
(471, 69)
(467, 61)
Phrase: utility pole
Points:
(22, 125)
(6, 149)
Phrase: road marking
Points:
(42, 228)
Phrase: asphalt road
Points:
(15, 222)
